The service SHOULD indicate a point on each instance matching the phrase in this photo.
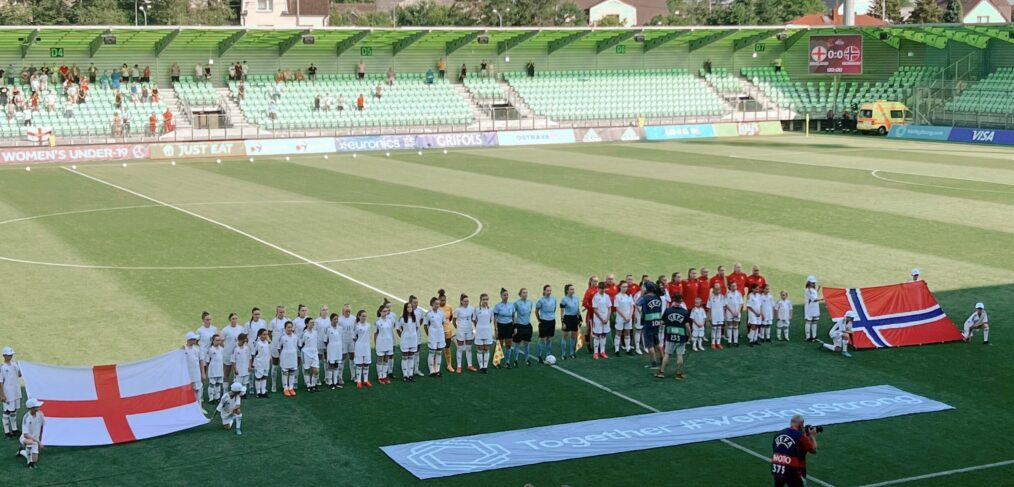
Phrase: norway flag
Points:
(898, 315)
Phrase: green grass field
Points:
(95, 273)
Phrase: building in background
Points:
(627, 13)
(983, 11)
(285, 13)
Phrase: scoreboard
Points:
(836, 54)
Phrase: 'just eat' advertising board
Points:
(837, 54)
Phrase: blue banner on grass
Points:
(476, 453)
(919, 132)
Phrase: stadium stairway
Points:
(479, 111)
(233, 112)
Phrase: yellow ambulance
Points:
(879, 116)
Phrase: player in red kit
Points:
(704, 287)
(593, 287)
(739, 277)
(689, 288)
(721, 279)
(755, 279)
(675, 286)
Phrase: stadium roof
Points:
(340, 39)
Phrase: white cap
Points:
(977, 306)
(237, 387)
(812, 279)
(8, 351)
(851, 314)
(33, 403)
(915, 271)
(192, 336)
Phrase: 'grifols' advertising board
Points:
(836, 54)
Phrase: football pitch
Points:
(106, 264)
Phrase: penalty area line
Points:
(656, 410)
(941, 474)
(240, 232)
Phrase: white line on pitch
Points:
(656, 410)
(941, 474)
(241, 232)
(875, 171)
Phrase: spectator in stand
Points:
(287, 74)
(34, 82)
(377, 92)
(530, 69)
(117, 124)
(484, 68)
(135, 73)
(778, 64)
(273, 110)
(4, 95)
(463, 74)
(328, 102)
(390, 76)
(312, 72)
(167, 121)
(135, 92)
(299, 75)
(241, 89)
(245, 69)
(146, 74)
(198, 71)
(174, 72)
(118, 100)
(279, 76)
(126, 122)
(340, 104)
(429, 76)
(28, 118)
(68, 110)
(124, 74)
(279, 90)
(84, 90)
(155, 97)
(361, 70)
(93, 73)
(50, 101)
(442, 67)
(35, 101)
(207, 72)
(360, 103)
(75, 73)
(64, 73)
(144, 93)
(316, 103)
(152, 124)
(25, 75)
(104, 80)
(830, 121)
(232, 71)
(707, 66)
(11, 111)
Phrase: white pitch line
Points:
(875, 171)
(241, 232)
(656, 410)
(941, 474)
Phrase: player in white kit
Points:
(716, 306)
(347, 322)
(255, 325)
(205, 332)
(321, 322)
(841, 334)
(277, 328)
(811, 308)
(333, 353)
(228, 408)
(241, 361)
(288, 359)
(602, 306)
(408, 335)
(308, 342)
(10, 392)
(435, 333)
(363, 351)
(768, 313)
(464, 320)
(733, 313)
(624, 305)
(383, 337)
(261, 354)
(978, 321)
(754, 317)
(420, 318)
(230, 337)
(195, 364)
(783, 310)
(214, 360)
(32, 426)
(698, 320)
(483, 332)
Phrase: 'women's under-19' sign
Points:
(836, 54)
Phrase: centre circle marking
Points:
(478, 229)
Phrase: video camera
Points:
(812, 429)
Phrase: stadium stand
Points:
(575, 95)
(409, 101)
(818, 97)
(93, 117)
(993, 95)
(723, 81)
(484, 88)
(195, 92)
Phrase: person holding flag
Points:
(228, 408)
(10, 392)
(841, 334)
(978, 321)
(811, 308)
(32, 426)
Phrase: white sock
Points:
(381, 370)
(617, 339)
(7, 427)
(728, 335)
(716, 335)
(735, 335)
(439, 360)
(637, 340)
(985, 334)
(829, 346)
(274, 378)
(306, 379)
(314, 378)
(237, 421)
(468, 355)
(415, 364)
(461, 350)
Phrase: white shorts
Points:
(385, 352)
(484, 341)
(348, 346)
(600, 329)
(260, 373)
(484, 335)
(838, 338)
(364, 359)
(732, 319)
(227, 417)
(437, 341)
(465, 335)
(32, 449)
(698, 331)
(215, 380)
(311, 360)
(12, 405)
(408, 349)
(783, 323)
(717, 323)
(622, 324)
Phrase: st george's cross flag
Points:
(109, 404)
(898, 315)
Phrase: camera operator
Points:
(789, 449)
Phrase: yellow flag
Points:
(497, 355)
(580, 341)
